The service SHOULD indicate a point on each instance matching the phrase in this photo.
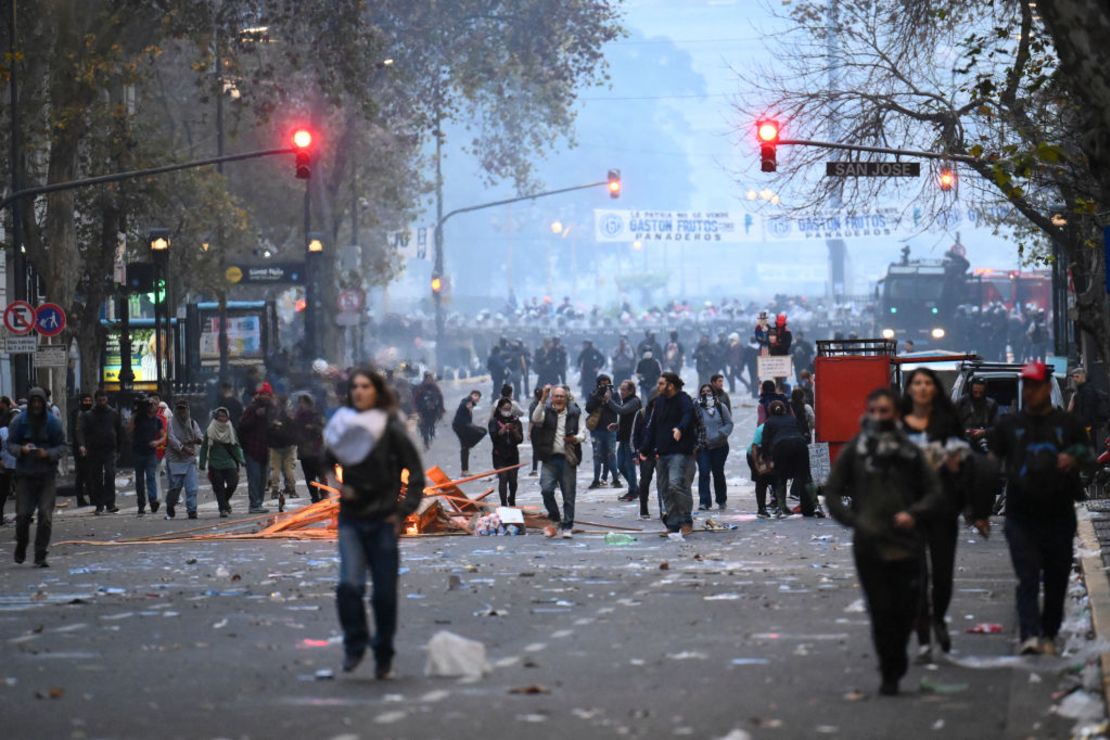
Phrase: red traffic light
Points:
(946, 178)
(767, 130)
(614, 183)
(302, 146)
(302, 138)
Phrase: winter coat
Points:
(716, 425)
(372, 488)
(506, 436)
(309, 426)
(668, 414)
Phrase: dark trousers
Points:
(506, 486)
(791, 458)
(368, 546)
(313, 470)
(892, 589)
(427, 429)
(464, 458)
(224, 482)
(711, 465)
(6, 481)
(102, 475)
(647, 471)
(34, 495)
(937, 569)
(1041, 552)
(762, 484)
(82, 482)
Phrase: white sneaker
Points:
(567, 534)
(1032, 646)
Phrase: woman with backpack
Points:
(222, 456)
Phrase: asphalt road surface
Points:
(758, 631)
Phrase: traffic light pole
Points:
(437, 270)
(965, 158)
(11, 200)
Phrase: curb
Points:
(1098, 590)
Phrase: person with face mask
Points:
(222, 456)
(99, 440)
(185, 440)
(147, 436)
(712, 450)
(369, 440)
(36, 440)
(892, 488)
(506, 432)
(82, 481)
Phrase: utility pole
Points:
(222, 341)
(21, 363)
(437, 269)
(837, 247)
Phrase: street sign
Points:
(268, 274)
(21, 345)
(775, 366)
(51, 355)
(19, 317)
(50, 319)
(873, 169)
(350, 301)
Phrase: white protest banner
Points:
(775, 367)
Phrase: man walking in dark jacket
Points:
(626, 407)
(99, 441)
(1042, 450)
(252, 436)
(670, 437)
(469, 433)
(892, 487)
(36, 440)
(604, 433)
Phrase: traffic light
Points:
(946, 178)
(614, 183)
(302, 146)
(437, 285)
(767, 130)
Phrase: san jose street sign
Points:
(873, 169)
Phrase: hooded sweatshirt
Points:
(44, 431)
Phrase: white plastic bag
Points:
(452, 656)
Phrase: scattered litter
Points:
(453, 582)
(222, 572)
(986, 662)
(619, 540)
(737, 735)
(533, 718)
(935, 687)
(450, 655)
(535, 647)
(664, 565)
(434, 696)
(532, 690)
(687, 655)
(750, 661)
(985, 628)
(855, 695)
(1080, 705)
(489, 611)
(938, 725)
(1034, 678)
(826, 729)
(325, 674)
(722, 597)
(856, 607)
(53, 693)
(387, 718)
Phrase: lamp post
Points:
(159, 241)
(314, 251)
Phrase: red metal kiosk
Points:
(845, 372)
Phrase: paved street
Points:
(759, 629)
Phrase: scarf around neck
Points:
(222, 432)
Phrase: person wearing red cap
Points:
(1042, 449)
(779, 337)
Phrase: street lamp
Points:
(159, 242)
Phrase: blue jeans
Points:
(626, 464)
(368, 545)
(673, 476)
(604, 448)
(556, 472)
(1041, 551)
(146, 479)
(182, 475)
(711, 464)
(256, 481)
